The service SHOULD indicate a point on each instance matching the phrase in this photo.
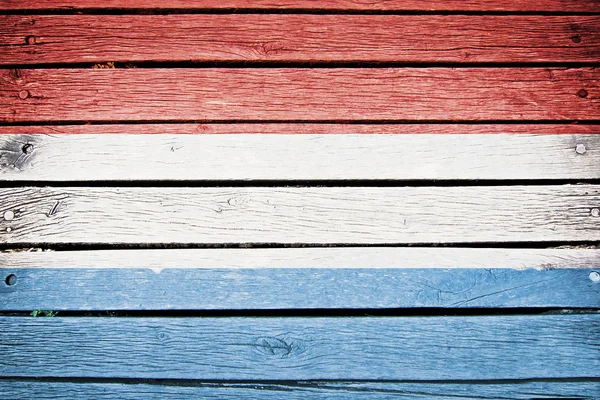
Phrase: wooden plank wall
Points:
(330, 199)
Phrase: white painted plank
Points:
(299, 278)
(300, 214)
(307, 258)
(89, 157)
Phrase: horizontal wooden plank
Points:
(385, 5)
(299, 215)
(289, 156)
(581, 389)
(298, 38)
(384, 348)
(299, 279)
(340, 278)
(305, 128)
(277, 94)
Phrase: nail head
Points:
(11, 280)
(9, 215)
(594, 276)
(27, 148)
(595, 212)
(580, 148)
(582, 93)
(23, 94)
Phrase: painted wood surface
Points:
(321, 128)
(579, 389)
(302, 38)
(586, 6)
(317, 278)
(280, 94)
(299, 214)
(351, 348)
(300, 278)
(289, 156)
(369, 258)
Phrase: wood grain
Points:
(581, 389)
(300, 215)
(305, 128)
(318, 278)
(291, 156)
(279, 94)
(298, 38)
(384, 5)
(402, 348)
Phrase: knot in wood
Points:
(576, 38)
(582, 93)
(274, 346)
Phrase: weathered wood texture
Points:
(305, 128)
(275, 37)
(580, 389)
(385, 348)
(306, 215)
(300, 279)
(385, 5)
(289, 156)
(415, 94)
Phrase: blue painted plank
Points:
(291, 278)
(212, 289)
(351, 348)
(19, 389)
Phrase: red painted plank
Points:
(279, 94)
(243, 37)
(323, 129)
(386, 5)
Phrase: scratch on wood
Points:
(54, 209)
(461, 303)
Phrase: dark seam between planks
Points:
(313, 313)
(278, 183)
(294, 121)
(257, 245)
(291, 383)
(174, 64)
(315, 11)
